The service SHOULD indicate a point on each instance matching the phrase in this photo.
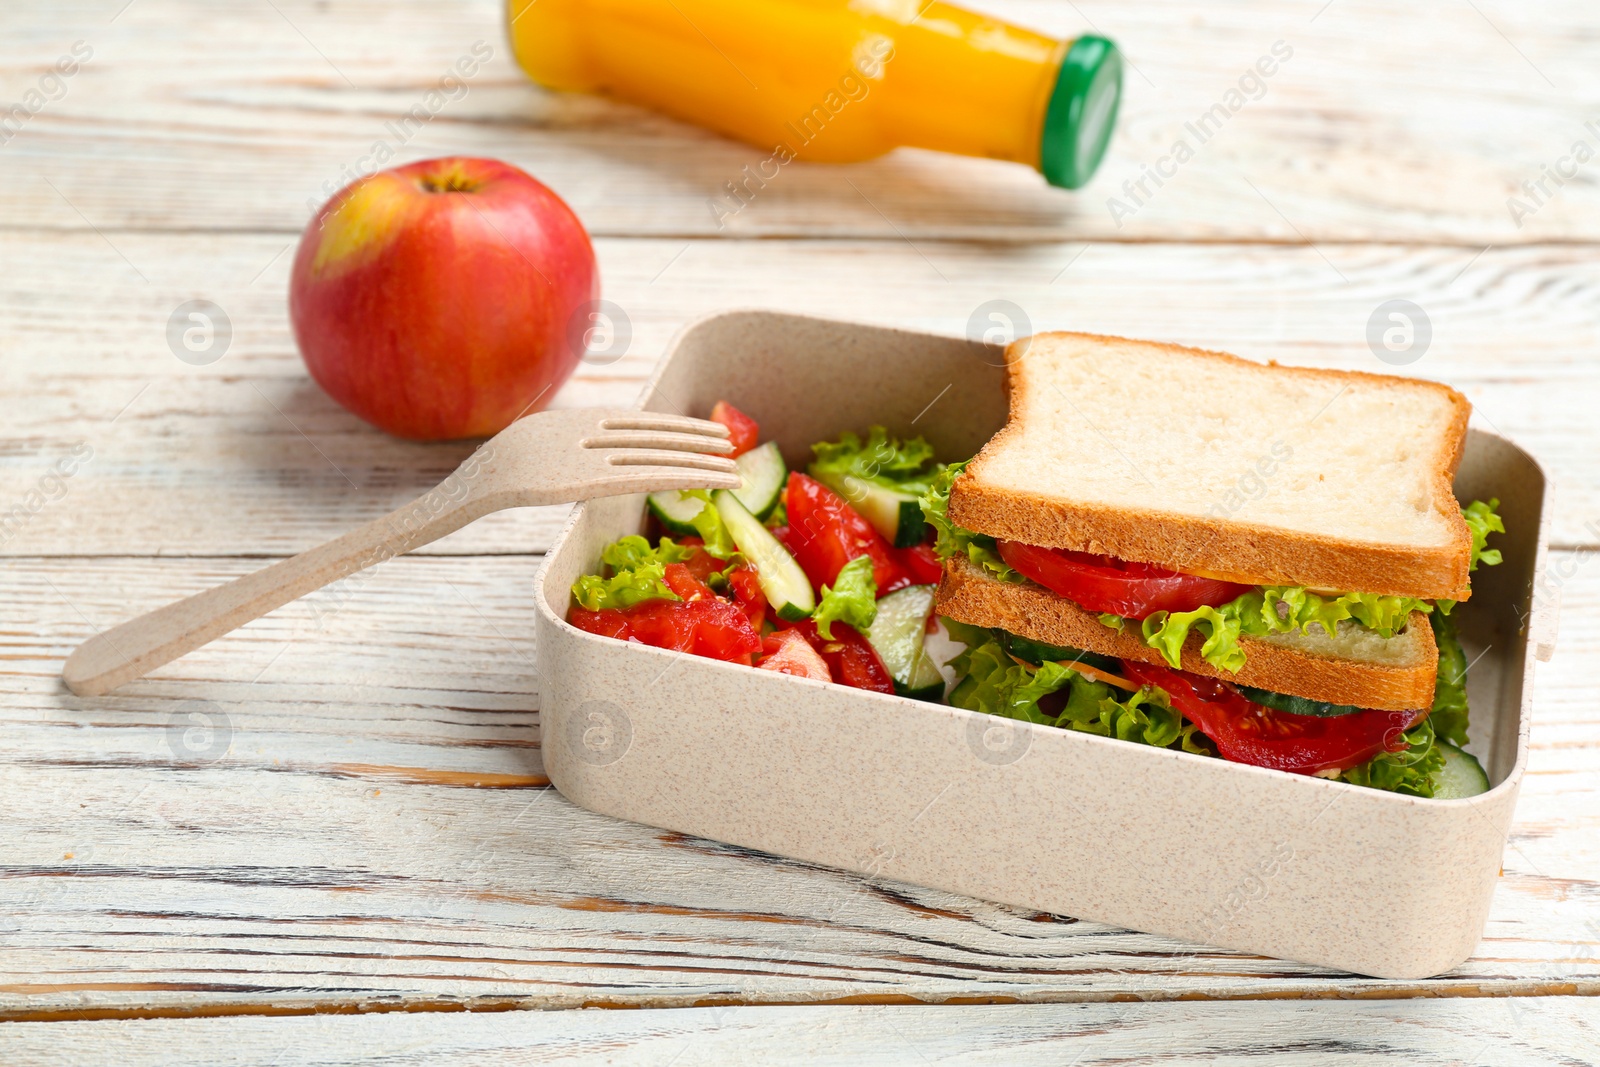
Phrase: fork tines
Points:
(650, 420)
(651, 457)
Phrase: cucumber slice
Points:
(675, 510)
(1461, 776)
(764, 474)
(898, 630)
(1295, 705)
(895, 513)
(786, 586)
(1038, 652)
(926, 682)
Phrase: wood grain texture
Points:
(1544, 1032)
(1412, 123)
(342, 806)
(343, 803)
(247, 456)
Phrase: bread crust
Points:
(968, 595)
(1244, 552)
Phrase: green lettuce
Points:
(853, 598)
(709, 525)
(1273, 610)
(991, 681)
(994, 683)
(1409, 771)
(1283, 609)
(905, 465)
(1482, 521)
(953, 540)
(1449, 714)
(637, 574)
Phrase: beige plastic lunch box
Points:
(1165, 842)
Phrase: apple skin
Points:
(436, 300)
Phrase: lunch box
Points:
(1166, 842)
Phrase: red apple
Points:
(436, 300)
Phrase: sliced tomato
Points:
(708, 626)
(1246, 732)
(747, 594)
(685, 582)
(607, 623)
(703, 564)
(1104, 584)
(743, 433)
(788, 652)
(849, 656)
(825, 533)
(920, 564)
(663, 623)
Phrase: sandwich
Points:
(1246, 560)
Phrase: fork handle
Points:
(134, 648)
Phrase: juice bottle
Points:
(837, 80)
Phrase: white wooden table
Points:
(339, 813)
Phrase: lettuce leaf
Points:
(637, 573)
(953, 540)
(1408, 771)
(1482, 521)
(906, 465)
(992, 682)
(708, 524)
(853, 598)
(1166, 632)
(1449, 714)
(1273, 609)
(1282, 609)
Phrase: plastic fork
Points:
(549, 458)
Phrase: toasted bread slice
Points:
(1355, 667)
(1212, 464)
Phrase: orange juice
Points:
(837, 80)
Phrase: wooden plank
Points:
(247, 456)
(358, 816)
(1553, 1031)
(233, 115)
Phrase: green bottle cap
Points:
(1082, 112)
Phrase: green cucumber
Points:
(897, 633)
(1461, 776)
(764, 473)
(895, 513)
(1026, 648)
(926, 682)
(1295, 705)
(675, 510)
(786, 586)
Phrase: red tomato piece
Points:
(1246, 732)
(743, 433)
(747, 593)
(788, 652)
(662, 623)
(1103, 584)
(825, 533)
(681, 579)
(708, 626)
(920, 564)
(722, 630)
(702, 564)
(608, 622)
(849, 656)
